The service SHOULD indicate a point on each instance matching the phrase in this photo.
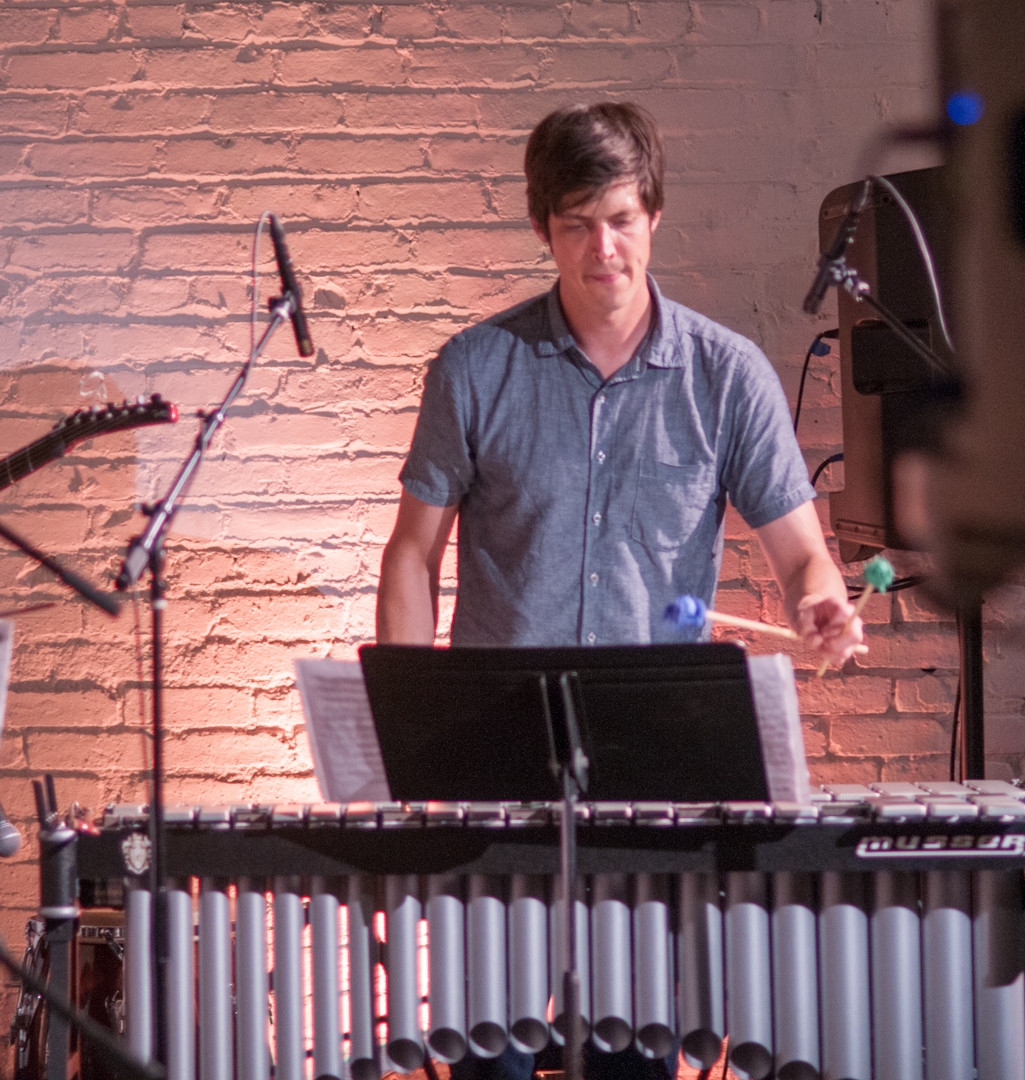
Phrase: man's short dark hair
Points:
(578, 151)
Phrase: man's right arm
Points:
(407, 596)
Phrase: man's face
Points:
(601, 249)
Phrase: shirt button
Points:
(597, 518)
(591, 639)
(601, 456)
(601, 399)
(593, 578)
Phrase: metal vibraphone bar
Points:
(873, 934)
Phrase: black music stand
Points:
(633, 723)
(664, 723)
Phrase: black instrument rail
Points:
(310, 850)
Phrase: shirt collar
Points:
(657, 349)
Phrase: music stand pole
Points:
(574, 781)
(573, 1064)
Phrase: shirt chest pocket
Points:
(670, 502)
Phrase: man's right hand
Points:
(407, 596)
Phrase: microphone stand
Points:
(58, 906)
(833, 270)
(147, 551)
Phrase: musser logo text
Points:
(940, 844)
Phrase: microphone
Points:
(827, 262)
(290, 285)
(10, 838)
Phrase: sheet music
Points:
(6, 648)
(340, 726)
(779, 726)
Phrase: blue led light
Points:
(964, 107)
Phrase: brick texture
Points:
(138, 144)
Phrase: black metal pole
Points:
(58, 894)
(969, 621)
(573, 1065)
(574, 782)
(110, 604)
(158, 839)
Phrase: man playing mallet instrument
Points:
(588, 439)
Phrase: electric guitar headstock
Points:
(103, 419)
(85, 424)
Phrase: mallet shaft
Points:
(750, 624)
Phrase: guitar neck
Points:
(31, 457)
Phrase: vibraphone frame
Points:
(306, 852)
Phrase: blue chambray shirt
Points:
(587, 505)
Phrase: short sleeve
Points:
(765, 473)
(440, 468)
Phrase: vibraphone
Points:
(878, 932)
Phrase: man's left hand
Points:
(829, 626)
(814, 592)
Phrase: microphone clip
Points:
(282, 306)
(843, 276)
